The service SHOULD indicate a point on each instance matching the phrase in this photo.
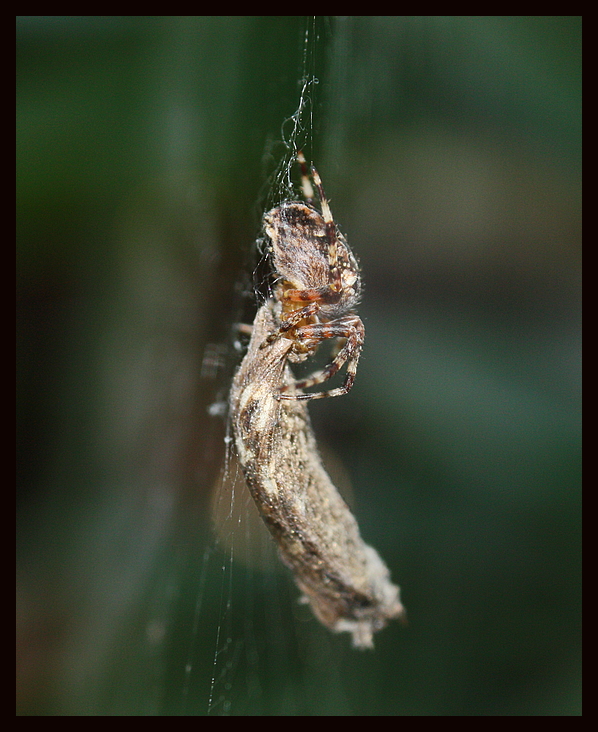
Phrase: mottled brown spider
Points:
(318, 285)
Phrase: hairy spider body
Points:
(319, 285)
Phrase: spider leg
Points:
(306, 186)
(335, 274)
(244, 328)
(308, 194)
(314, 297)
(349, 327)
(292, 320)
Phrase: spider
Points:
(319, 285)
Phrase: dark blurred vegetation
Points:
(451, 150)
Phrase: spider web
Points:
(298, 129)
(268, 654)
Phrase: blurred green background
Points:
(450, 148)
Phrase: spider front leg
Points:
(291, 320)
(349, 327)
(314, 298)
